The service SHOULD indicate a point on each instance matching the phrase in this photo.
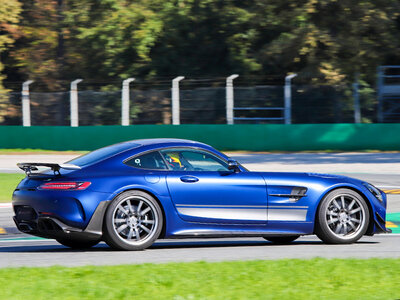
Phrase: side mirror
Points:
(233, 165)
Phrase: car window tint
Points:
(193, 160)
(152, 160)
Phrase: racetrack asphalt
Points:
(48, 252)
(381, 169)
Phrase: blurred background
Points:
(336, 48)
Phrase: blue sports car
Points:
(132, 193)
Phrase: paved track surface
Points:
(381, 169)
(48, 253)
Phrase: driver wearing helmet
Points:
(173, 159)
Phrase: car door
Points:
(203, 189)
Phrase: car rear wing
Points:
(29, 167)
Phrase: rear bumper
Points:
(73, 208)
(52, 227)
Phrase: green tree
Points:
(327, 40)
(9, 17)
(110, 39)
(38, 52)
(208, 37)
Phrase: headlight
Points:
(374, 191)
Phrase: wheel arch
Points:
(370, 228)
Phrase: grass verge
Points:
(8, 182)
(279, 279)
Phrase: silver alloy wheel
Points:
(345, 216)
(135, 220)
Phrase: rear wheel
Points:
(281, 240)
(343, 217)
(133, 221)
(78, 244)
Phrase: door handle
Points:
(189, 179)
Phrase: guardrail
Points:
(251, 137)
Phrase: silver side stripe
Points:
(223, 206)
(243, 212)
(225, 213)
(287, 214)
(287, 206)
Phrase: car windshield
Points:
(102, 153)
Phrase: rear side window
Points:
(151, 161)
(102, 153)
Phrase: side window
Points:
(193, 160)
(152, 161)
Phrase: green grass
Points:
(280, 279)
(8, 182)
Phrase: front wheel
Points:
(343, 217)
(133, 221)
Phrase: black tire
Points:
(342, 217)
(133, 221)
(78, 244)
(281, 240)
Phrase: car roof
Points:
(160, 142)
(138, 146)
(145, 142)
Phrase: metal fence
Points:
(191, 101)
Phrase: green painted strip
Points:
(395, 219)
(23, 238)
(252, 137)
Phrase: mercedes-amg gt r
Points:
(132, 193)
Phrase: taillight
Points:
(65, 186)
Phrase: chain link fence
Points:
(201, 102)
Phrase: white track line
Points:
(6, 240)
(389, 186)
(5, 205)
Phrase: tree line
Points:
(326, 41)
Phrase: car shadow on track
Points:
(174, 244)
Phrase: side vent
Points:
(295, 194)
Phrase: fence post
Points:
(356, 96)
(125, 102)
(26, 105)
(175, 100)
(379, 87)
(230, 99)
(74, 103)
(288, 98)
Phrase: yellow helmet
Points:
(174, 159)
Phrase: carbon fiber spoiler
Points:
(29, 167)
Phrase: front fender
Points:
(377, 209)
